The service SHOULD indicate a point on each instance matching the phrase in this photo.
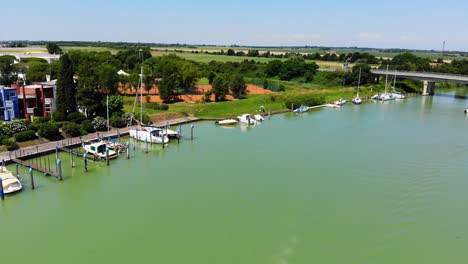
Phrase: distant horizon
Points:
(238, 45)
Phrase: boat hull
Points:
(147, 136)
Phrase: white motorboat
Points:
(98, 149)
(226, 122)
(340, 102)
(247, 119)
(150, 135)
(9, 182)
(301, 109)
(376, 96)
(259, 117)
(357, 100)
(115, 145)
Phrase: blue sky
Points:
(382, 24)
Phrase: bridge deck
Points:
(424, 76)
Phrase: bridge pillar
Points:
(429, 88)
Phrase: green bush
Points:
(60, 124)
(117, 121)
(58, 116)
(164, 107)
(40, 119)
(3, 137)
(10, 144)
(15, 126)
(154, 106)
(34, 126)
(87, 126)
(308, 100)
(83, 132)
(100, 123)
(76, 117)
(71, 129)
(25, 136)
(49, 130)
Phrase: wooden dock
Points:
(36, 167)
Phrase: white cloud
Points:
(368, 36)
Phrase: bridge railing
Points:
(392, 72)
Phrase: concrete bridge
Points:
(429, 78)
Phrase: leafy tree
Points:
(66, 88)
(53, 48)
(6, 70)
(115, 104)
(273, 68)
(253, 53)
(237, 86)
(88, 98)
(221, 87)
(231, 52)
(352, 78)
(37, 72)
(108, 78)
(49, 130)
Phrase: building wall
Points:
(9, 107)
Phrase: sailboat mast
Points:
(386, 80)
(108, 126)
(358, 82)
(141, 96)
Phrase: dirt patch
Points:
(197, 95)
(165, 116)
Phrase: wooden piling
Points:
(32, 178)
(191, 132)
(59, 169)
(107, 156)
(2, 194)
(85, 156)
(146, 142)
(17, 170)
(127, 149)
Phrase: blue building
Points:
(9, 108)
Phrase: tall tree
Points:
(238, 87)
(6, 70)
(53, 48)
(221, 87)
(108, 78)
(66, 88)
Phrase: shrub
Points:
(25, 136)
(15, 126)
(309, 100)
(100, 123)
(117, 121)
(60, 124)
(34, 126)
(83, 132)
(71, 129)
(76, 117)
(127, 118)
(49, 130)
(87, 126)
(154, 106)
(58, 117)
(2, 137)
(164, 107)
(10, 144)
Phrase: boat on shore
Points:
(98, 150)
(340, 102)
(259, 117)
(301, 109)
(247, 119)
(226, 122)
(9, 182)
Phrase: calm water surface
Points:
(376, 183)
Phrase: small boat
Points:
(115, 145)
(226, 122)
(98, 150)
(259, 117)
(387, 97)
(301, 109)
(376, 96)
(168, 132)
(340, 102)
(149, 134)
(357, 100)
(9, 182)
(247, 119)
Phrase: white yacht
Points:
(9, 182)
(357, 100)
(150, 135)
(386, 96)
(98, 149)
(247, 119)
(226, 122)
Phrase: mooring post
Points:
(17, 170)
(37, 149)
(48, 163)
(72, 159)
(269, 114)
(127, 149)
(85, 156)
(3, 165)
(292, 107)
(59, 170)
(118, 134)
(107, 156)
(2, 194)
(146, 142)
(32, 178)
(56, 152)
(191, 132)
(167, 127)
(71, 155)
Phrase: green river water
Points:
(376, 183)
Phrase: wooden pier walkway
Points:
(36, 167)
